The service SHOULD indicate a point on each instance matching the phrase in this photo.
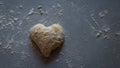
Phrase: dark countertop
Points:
(85, 46)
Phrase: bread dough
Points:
(47, 38)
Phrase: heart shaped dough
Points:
(47, 38)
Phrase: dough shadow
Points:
(54, 55)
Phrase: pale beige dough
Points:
(47, 38)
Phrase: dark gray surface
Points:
(81, 20)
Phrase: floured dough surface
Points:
(47, 38)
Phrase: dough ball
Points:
(47, 38)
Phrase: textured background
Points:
(81, 19)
